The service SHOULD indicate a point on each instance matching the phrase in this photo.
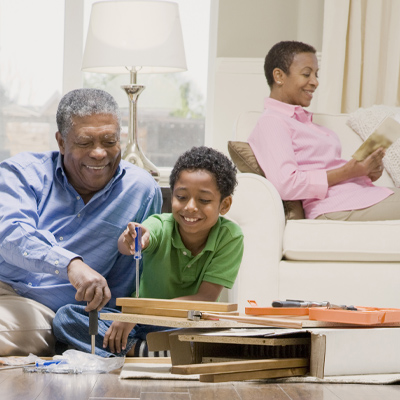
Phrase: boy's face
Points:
(196, 204)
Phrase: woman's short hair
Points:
(82, 103)
(281, 56)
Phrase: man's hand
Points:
(90, 285)
(116, 336)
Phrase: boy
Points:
(190, 254)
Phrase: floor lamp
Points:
(134, 36)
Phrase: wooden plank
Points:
(147, 360)
(267, 321)
(250, 375)
(219, 359)
(240, 366)
(177, 304)
(174, 322)
(244, 340)
(177, 322)
(158, 341)
(165, 311)
(184, 323)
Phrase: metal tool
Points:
(307, 304)
(93, 328)
(195, 315)
(138, 255)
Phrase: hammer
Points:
(194, 315)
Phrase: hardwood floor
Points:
(18, 385)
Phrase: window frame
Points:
(73, 52)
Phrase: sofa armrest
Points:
(258, 209)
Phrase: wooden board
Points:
(147, 360)
(165, 311)
(176, 322)
(239, 366)
(177, 304)
(250, 375)
(173, 322)
(291, 341)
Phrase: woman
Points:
(303, 159)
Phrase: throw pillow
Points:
(243, 157)
(365, 121)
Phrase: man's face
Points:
(92, 152)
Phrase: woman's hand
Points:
(126, 242)
(372, 167)
(116, 336)
(376, 174)
(373, 164)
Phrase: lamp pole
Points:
(133, 152)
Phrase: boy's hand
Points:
(126, 242)
(116, 336)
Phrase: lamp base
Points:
(135, 156)
(133, 153)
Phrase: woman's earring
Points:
(278, 82)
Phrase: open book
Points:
(383, 136)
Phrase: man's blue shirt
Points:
(44, 224)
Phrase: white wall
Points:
(242, 32)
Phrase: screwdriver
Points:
(138, 255)
(93, 328)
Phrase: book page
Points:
(383, 136)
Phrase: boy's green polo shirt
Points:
(170, 270)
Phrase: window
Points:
(171, 110)
(31, 56)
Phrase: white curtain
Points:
(360, 63)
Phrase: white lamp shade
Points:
(145, 34)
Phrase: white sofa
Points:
(354, 263)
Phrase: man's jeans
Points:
(71, 326)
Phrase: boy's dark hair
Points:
(281, 56)
(210, 160)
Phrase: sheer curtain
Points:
(360, 63)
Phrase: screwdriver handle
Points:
(93, 323)
(287, 303)
(138, 243)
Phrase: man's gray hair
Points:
(82, 103)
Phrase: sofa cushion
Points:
(243, 157)
(365, 121)
(318, 240)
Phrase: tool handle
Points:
(287, 303)
(138, 243)
(93, 322)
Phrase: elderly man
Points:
(61, 214)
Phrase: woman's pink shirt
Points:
(295, 155)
